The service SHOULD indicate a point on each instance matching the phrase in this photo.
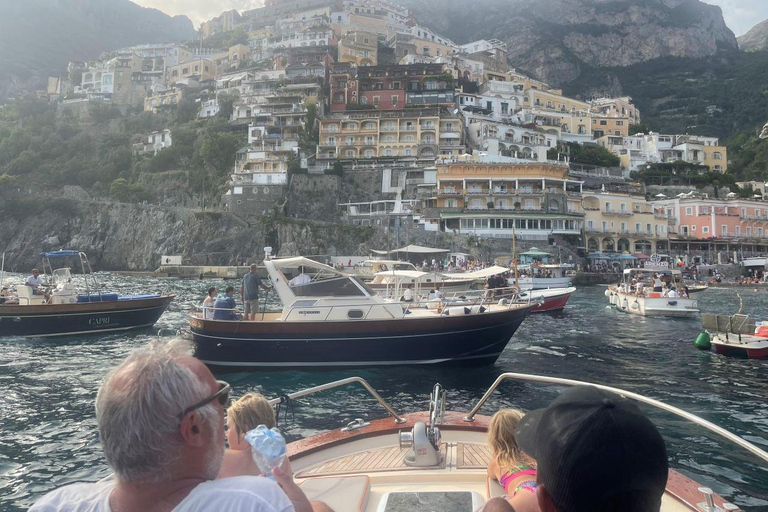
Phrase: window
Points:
(724, 230)
(623, 207)
(350, 153)
(693, 228)
(607, 206)
(689, 210)
(619, 123)
(394, 100)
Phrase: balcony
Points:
(450, 193)
(482, 191)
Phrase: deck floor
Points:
(459, 455)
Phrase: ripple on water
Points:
(49, 388)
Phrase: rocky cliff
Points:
(39, 37)
(756, 39)
(554, 40)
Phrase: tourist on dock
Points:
(209, 301)
(36, 282)
(594, 450)
(514, 470)
(160, 417)
(225, 308)
(244, 415)
(250, 292)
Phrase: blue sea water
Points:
(48, 436)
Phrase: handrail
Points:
(336, 384)
(650, 401)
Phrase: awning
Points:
(59, 254)
(535, 251)
(449, 135)
(480, 274)
(418, 249)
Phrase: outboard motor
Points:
(424, 440)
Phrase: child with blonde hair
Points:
(513, 469)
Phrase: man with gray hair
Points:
(161, 424)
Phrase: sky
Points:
(740, 15)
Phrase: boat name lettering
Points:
(309, 312)
(98, 321)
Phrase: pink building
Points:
(705, 218)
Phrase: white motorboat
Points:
(635, 294)
(390, 278)
(541, 277)
(439, 456)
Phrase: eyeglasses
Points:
(222, 395)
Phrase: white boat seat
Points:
(26, 297)
(342, 494)
(495, 490)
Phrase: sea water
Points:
(49, 438)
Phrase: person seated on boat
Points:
(244, 415)
(249, 291)
(684, 293)
(407, 294)
(672, 294)
(36, 283)
(594, 450)
(210, 299)
(225, 308)
(433, 295)
(514, 470)
(658, 284)
(640, 288)
(300, 279)
(160, 418)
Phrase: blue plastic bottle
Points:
(268, 448)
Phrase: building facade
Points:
(623, 222)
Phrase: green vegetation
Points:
(50, 145)
(589, 154)
(683, 173)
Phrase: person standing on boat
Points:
(160, 417)
(209, 301)
(36, 282)
(658, 284)
(250, 292)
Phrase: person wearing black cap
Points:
(595, 451)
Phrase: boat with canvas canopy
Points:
(637, 294)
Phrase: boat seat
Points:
(709, 321)
(26, 297)
(495, 489)
(341, 494)
(742, 324)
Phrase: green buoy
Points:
(702, 341)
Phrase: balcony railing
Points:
(483, 191)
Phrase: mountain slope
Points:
(554, 39)
(756, 39)
(39, 37)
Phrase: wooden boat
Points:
(70, 312)
(439, 454)
(650, 303)
(336, 320)
(554, 299)
(736, 336)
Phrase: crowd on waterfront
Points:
(163, 419)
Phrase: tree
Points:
(638, 128)
(218, 151)
(336, 170)
(226, 104)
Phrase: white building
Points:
(209, 108)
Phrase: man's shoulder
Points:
(237, 494)
(81, 497)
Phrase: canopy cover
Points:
(59, 254)
(417, 249)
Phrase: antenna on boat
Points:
(267, 253)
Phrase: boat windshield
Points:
(333, 287)
(62, 275)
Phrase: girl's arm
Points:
(493, 469)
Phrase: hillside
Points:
(39, 37)
(583, 33)
(756, 39)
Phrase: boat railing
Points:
(628, 394)
(340, 383)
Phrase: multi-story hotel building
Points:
(411, 133)
(642, 149)
(535, 200)
(623, 222)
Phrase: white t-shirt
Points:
(34, 282)
(237, 494)
(299, 280)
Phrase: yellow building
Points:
(411, 133)
(615, 126)
(171, 97)
(225, 22)
(555, 112)
(490, 199)
(200, 69)
(359, 47)
(620, 222)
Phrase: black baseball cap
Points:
(591, 445)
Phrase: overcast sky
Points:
(740, 15)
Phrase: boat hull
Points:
(81, 318)
(654, 306)
(474, 339)
(551, 302)
(543, 283)
(749, 349)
